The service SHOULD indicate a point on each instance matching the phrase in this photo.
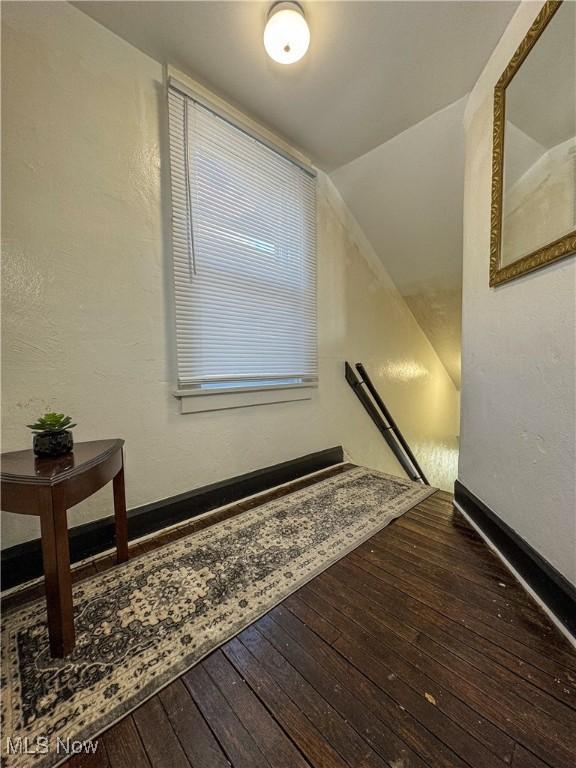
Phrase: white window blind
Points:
(244, 248)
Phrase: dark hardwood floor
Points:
(417, 649)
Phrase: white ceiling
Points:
(372, 70)
(378, 76)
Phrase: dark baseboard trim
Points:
(23, 562)
(551, 587)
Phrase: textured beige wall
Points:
(86, 287)
(517, 447)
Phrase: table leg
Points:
(56, 558)
(121, 522)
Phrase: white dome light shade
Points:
(286, 35)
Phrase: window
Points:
(244, 249)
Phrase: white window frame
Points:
(197, 399)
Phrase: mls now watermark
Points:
(42, 745)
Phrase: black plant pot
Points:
(53, 443)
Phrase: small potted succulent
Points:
(51, 435)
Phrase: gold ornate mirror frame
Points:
(564, 245)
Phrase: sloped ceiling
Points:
(374, 70)
(407, 196)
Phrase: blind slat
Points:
(244, 250)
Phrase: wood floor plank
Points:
(419, 676)
(160, 742)
(486, 565)
(359, 701)
(445, 495)
(439, 509)
(301, 730)
(466, 546)
(503, 717)
(439, 630)
(272, 741)
(443, 521)
(492, 578)
(511, 592)
(488, 600)
(342, 733)
(312, 619)
(423, 726)
(389, 572)
(451, 537)
(124, 746)
(525, 759)
(197, 740)
(237, 742)
(484, 620)
(456, 528)
(453, 530)
(498, 592)
(473, 646)
(539, 659)
(484, 698)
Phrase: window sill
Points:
(194, 401)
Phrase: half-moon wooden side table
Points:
(48, 487)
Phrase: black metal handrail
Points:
(382, 418)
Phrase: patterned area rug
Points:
(142, 624)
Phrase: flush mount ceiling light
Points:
(286, 35)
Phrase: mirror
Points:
(534, 150)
